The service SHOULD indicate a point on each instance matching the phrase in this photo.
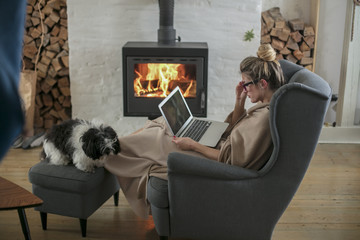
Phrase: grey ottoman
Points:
(67, 191)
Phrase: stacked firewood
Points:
(293, 40)
(46, 50)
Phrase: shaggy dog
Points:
(80, 142)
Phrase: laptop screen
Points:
(175, 110)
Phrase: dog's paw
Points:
(42, 156)
(100, 162)
(90, 168)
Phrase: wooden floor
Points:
(326, 206)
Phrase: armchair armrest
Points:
(200, 189)
(179, 163)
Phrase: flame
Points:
(160, 80)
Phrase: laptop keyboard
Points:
(197, 129)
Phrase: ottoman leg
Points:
(83, 226)
(43, 216)
(116, 198)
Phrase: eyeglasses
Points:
(244, 85)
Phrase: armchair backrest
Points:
(297, 112)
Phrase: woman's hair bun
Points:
(266, 52)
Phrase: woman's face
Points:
(252, 90)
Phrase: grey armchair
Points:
(205, 199)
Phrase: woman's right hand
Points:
(240, 92)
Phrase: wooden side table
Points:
(12, 197)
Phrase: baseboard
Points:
(340, 135)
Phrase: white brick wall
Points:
(99, 29)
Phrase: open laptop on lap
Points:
(182, 123)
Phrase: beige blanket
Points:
(247, 143)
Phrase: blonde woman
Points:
(249, 130)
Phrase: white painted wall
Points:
(350, 72)
(331, 41)
(99, 29)
(290, 9)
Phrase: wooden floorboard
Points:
(326, 206)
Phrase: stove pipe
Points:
(166, 32)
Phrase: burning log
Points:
(159, 79)
(46, 50)
(292, 40)
(187, 86)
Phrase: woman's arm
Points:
(187, 144)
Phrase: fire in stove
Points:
(159, 79)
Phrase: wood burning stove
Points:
(151, 70)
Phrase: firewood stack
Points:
(292, 40)
(48, 35)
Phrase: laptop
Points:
(182, 123)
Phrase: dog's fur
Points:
(80, 142)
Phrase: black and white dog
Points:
(80, 142)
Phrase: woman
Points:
(246, 142)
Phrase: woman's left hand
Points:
(185, 144)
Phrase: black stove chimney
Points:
(166, 32)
